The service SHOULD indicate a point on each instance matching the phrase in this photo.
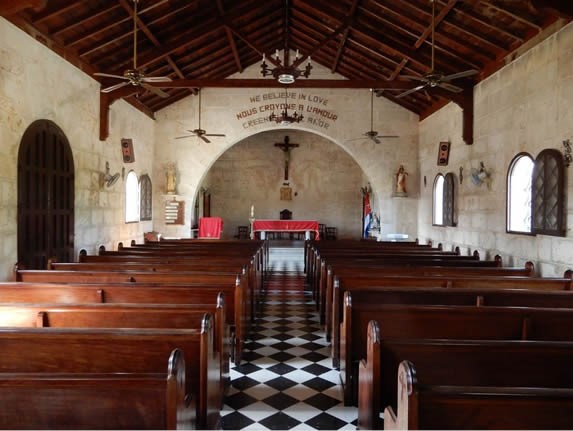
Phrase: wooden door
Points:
(45, 196)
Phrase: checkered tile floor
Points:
(286, 380)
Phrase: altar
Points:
(306, 226)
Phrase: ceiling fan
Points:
(433, 78)
(199, 132)
(373, 134)
(135, 76)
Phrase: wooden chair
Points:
(242, 232)
(331, 233)
(285, 215)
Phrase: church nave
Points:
(286, 380)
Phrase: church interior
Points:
(293, 154)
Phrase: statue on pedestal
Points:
(171, 179)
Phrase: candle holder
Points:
(251, 220)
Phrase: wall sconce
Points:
(461, 174)
(567, 157)
(107, 179)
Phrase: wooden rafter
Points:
(230, 38)
(11, 7)
(342, 43)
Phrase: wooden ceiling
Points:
(372, 43)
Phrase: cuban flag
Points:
(367, 210)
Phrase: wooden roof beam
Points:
(350, 17)
(12, 7)
(563, 8)
(513, 15)
(230, 39)
(90, 17)
(141, 25)
(51, 11)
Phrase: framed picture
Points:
(443, 153)
(286, 194)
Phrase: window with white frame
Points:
(443, 200)
(535, 194)
(519, 194)
(438, 200)
(131, 198)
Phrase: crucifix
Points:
(286, 147)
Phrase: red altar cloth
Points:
(286, 226)
(210, 227)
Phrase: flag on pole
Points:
(367, 214)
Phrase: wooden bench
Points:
(241, 312)
(442, 321)
(544, 364)
(457, 281)
(54, 400)
(449, 406)
(160, 316)
(71, 350)
(414, 267)
(51, 293)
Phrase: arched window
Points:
(519, 194)
(131, 198)
(443, 199)
(439, 200)
(535, 194)
(145, 208)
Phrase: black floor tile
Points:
(287, 319)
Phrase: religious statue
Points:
(401, 182)
(170, 179)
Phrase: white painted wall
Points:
(527, 107)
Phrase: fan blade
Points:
(154, 90)
(415, 78)
(376, 140)
(182, 137)
(213, 134)
(450, 87)
(388, 136)
(204, 138)
(411, 90)
(109, 75)
(464, 74)
(114, 87)
(156, 79)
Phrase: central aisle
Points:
(286, 380)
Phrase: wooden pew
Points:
(51, 293)
(53, 400)
(241, 312)
(446, 406)
(405, 282)
(414, 267)
(160, 316)
(442, 321)
(72, 350)
(457, 362)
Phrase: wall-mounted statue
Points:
(170, 179)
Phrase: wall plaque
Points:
(175, 212)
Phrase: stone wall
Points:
(337, 116)
(526, 107)
(37, 84)
(325, 182)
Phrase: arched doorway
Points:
(45, 196)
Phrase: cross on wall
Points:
(286, 147)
